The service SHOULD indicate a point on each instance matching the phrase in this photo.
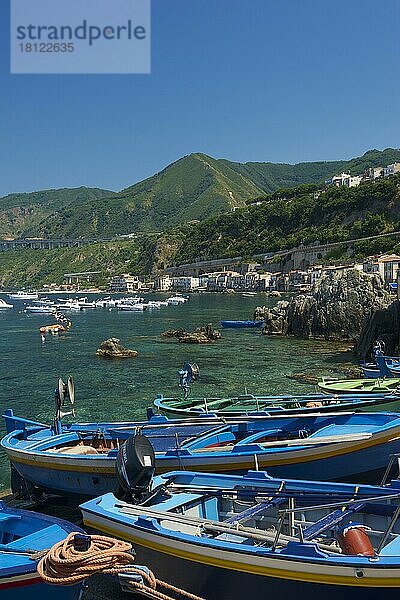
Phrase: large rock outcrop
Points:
(383, 325)
(336, 307)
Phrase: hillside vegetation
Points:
(272, 176)
(278, 221)
(282, 221)
(22, 215)
(194, 188)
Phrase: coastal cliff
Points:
(335, 309)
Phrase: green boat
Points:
(359, 386)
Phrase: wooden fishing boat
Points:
(81, 459)
(359, 386)
(248, 404)
(247, 536)
(23, 534)
(342, 446)
(241, 324)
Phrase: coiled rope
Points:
(64, 564)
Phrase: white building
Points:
(163, 283)
(185, 284)
(391, 169)
(373, 173)
(339, 180)
(125, 283)
(386, 265)
(352, 181)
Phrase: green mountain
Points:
(194, 188)
(22, 215)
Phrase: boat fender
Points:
(354, 541)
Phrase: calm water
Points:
(108, 390)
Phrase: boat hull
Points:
(23, 588)
(214, 574)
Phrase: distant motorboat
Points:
(132, 307)
(176, 300)
(69, 305)
(84, 303)
(249, 294)
(43, 302)
(4, 305)
(23, 296)
(106, 302)
(44, 309)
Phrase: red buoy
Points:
(354, 541)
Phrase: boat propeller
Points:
(63, 393)
(189, 373)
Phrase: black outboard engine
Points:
(135, 466)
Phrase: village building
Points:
(125, 283)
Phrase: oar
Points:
(217, 527)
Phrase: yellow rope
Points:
(64, 565)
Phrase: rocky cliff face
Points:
(383, 325)
(336, 308)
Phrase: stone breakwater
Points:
(336, 308)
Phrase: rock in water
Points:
(336, 307)
(111, 348)
(201, 335)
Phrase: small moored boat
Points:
(21, 295)
(248, 536)
(4, 305)
(23, 538)
(237, 324)
(249, 404)
(360, 386)
(81, 458)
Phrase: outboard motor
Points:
(187, 375)
(135, 466)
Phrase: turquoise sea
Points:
(107, 390)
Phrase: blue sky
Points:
(247, 80)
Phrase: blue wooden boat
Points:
(237, 324)
(383, 366)
(226, 536)
(81, 460)
(342, 446)
(22, 535)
